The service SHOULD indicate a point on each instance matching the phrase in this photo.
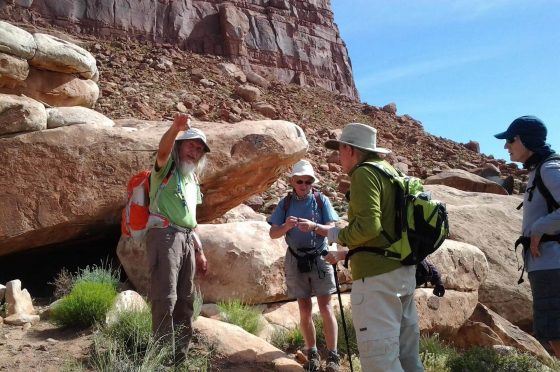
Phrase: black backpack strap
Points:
(551, 203)
(287, 201)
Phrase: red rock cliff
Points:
(289, 40)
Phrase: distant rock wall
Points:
(289, 40)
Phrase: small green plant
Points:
(3, 309)
(132, 330)
(197, 303)
(99, 274)
(435, 354)
(238, 313)
(87, 303)
(128, 345)
(109, 354)
(341, 342)
(64, 281)
(288, 339)
(487, 359)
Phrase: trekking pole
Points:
(342, 317)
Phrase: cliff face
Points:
(289, 40)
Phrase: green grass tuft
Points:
(288, 339)
(86, 304)
(238, 313)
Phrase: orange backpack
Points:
(136, 217)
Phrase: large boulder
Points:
(486, 328)
(463, 180)
(13, 67)
(243, 261)
(242, 349)
(53, 88)
(21, 114)
(492, 223)
(71, 181)
(55, 54)
(464, 269)
(64, 116)
(15, 41)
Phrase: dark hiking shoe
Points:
(313, 361)
(333, 362)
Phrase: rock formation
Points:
(287, 40)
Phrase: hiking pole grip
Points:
(342, 317)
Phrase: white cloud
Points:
(424, 67)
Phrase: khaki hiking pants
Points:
(172, 268)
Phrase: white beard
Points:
(187, 168)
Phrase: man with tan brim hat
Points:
(383, 307)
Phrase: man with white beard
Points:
(175, 251)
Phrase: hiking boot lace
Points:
(333, 362)
(314, 361)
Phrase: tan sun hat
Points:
(304, 168)
(358, 135)
(194, 133)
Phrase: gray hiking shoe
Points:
(333, 362)
(313, 361)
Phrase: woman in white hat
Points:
(297, 217)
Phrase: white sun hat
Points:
(358, 135)
(304, 168)
(194, 133)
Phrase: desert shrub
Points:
(288, 339)
(435, 354)
(103, 273)
(86, 304)
(487, 359)
(132, 329)
(238, 313)
(64, 281)
(341, 342)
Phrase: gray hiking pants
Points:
(172, 268)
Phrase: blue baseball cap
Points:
(529, 128)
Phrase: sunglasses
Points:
(299, 182)
(510, 140)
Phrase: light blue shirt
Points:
(537, 220)
(308, 209)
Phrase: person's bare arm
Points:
(278, 231)
(181, 122)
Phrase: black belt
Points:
(525, 241)
(376, 250)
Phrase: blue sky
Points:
(465, 69)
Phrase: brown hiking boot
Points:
(333, 362)
(313, 361)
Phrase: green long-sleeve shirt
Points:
(371, 210)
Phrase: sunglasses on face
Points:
(510, 140)
(299, 182)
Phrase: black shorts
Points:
(545, 285)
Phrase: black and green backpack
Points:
(421, 223)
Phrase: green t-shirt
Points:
(371, 210)
(177, 204)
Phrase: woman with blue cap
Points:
(526, 143)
